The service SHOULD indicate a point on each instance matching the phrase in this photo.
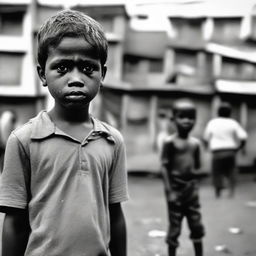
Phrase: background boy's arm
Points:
(242, 146)
(165, 178)
(205, 143)
(198, 173)
(167, 153)
(117, 230)
(15, 232)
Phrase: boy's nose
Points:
(75, 79)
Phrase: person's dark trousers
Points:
(224, 166)
(198, 249)
(185, 204)
(171, 250)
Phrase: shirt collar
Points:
(44, 127)
(100, 128)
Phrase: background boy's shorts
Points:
(184, 204)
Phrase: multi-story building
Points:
(209, 57)
(206, 55)
(18, 90)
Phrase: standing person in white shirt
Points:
(224, 136)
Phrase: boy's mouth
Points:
(76, 96)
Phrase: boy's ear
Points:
(104, 71)
(41, 75)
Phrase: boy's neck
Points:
(183, 135)
(77, 124)
(73, 116)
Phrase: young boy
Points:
(224, 137)
(64, 174)
(180, 162)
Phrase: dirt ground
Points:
(229, 222)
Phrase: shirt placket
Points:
(82, 150)
(82, 156)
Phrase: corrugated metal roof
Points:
(163, 89)
(14, 2)
(191, 9)
(242, 52)
(236, 87)
(101, 10)
(70, 3)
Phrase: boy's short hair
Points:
(74, 24)
(224, 109)
(184, 106)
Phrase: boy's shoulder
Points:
(194, 141)
(24, 131)
(173, 137)
(38, 127)
(109, 129)
(170, 138)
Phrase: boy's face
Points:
(73, 73)
(185, 120)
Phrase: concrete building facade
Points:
(206, 56)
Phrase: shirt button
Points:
(83, 164)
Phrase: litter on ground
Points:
(235, 230)
(156, 233)
(222, 248)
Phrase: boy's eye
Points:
(62, 69)
(88, 69)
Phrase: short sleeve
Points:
(207, 132)
(240, 132)
(14, 181)
(118, 183)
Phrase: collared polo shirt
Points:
(66, 185)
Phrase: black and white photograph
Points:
(127, 127)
